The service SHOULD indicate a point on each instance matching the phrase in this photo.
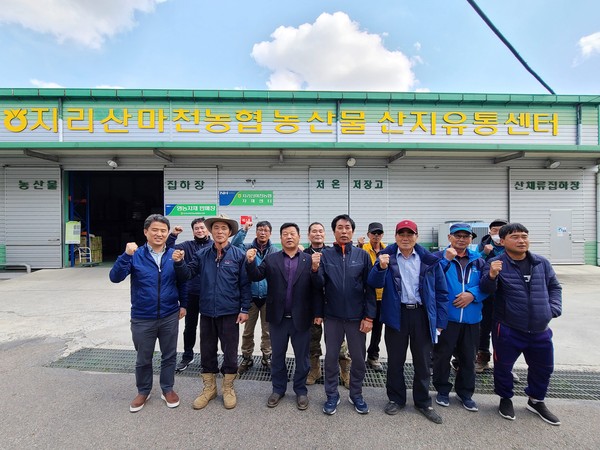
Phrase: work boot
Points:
(247, 362)
(345, 372)
(229, 398)
(209, 391)
(482, 361)
(315, 370)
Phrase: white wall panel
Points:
(290, 197)
(431, 194)
(189, 185)
(33, 216)
(531, 207)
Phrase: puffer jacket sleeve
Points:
(376, 277)
(121, 269)
(441, 297)
(245, 288)
(554, 291)
(486, 284)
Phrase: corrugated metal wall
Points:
(189, 185)
(433, 193)
(290, 197)
(554, 190)
(33, 216)
(2, 217)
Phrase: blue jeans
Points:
(144, 333)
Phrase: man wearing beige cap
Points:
(224, 304)
(414, 309)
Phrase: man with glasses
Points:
(462, 267)
(263, 246)
(373, 247)
(414, 309)
(527, 297)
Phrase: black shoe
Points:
(302, 402)
(266, 361)
(245, 365)
(183, 364)
(506, 409)
(541, 410)
(274, 399)
(392, 408)
(430, 414)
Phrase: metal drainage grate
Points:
(563, 384)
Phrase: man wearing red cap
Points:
(414, 309)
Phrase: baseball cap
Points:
(462, 227)
(408, 224)
(375, 226)
(498, 223)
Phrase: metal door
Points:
(561, 236)
(33, 217)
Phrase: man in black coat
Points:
(292, 307)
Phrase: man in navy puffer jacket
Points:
(527, 297)
(157, 304)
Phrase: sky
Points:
(349, 45)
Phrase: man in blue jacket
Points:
(201, 240)
(224, 304)
(414, 308)
(157, 304)
(350, 308)
(462, 268)
(527, 297)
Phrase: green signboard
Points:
(191, 209)
(246, 198)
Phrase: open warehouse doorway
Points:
(112, 206)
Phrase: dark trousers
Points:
(281, 334)
(144, 334)
(485, 326)
(462, 339)
(191, 325)
(373, 350)
(213, 330)
(538, 350)
(414, 331)
(335, 330)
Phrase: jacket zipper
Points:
(159, 283)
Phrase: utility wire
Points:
(509, 45)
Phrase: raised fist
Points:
(130, 248)
(316, 260)
(495, 268)
(178, 255)
(384, 260)
(177, 230)
(251, 254)
(450, 254)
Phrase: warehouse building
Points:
(105, 159)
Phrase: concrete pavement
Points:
(50, 313)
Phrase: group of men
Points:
(430, 302)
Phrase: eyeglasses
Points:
(462, 236)
(377, 232)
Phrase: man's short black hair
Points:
(198, 220)
(265, 223)
(288, 225)
(336, 219)
(313, 224)
(156, 218)
(512, 228)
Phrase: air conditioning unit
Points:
(479, 228)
